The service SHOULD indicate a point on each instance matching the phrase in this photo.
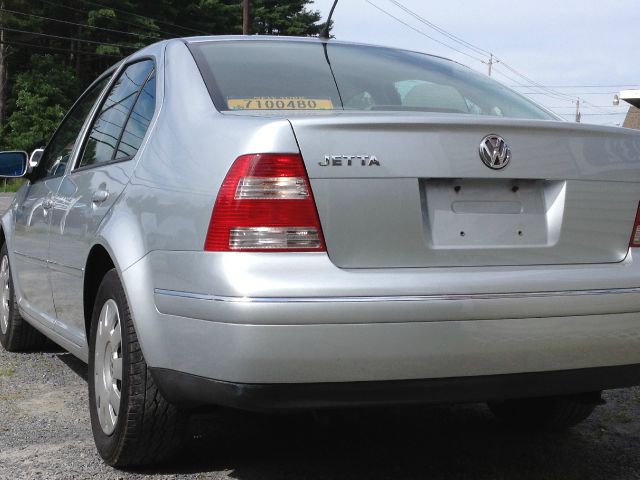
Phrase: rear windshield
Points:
(278, 75)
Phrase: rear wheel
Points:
(547, 413)
(132, 423)
(16, 334)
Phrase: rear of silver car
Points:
(427, 275)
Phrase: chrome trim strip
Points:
(30, 257)
(395, 298)
(53, 265)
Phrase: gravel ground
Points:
(45, 433)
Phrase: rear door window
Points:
(138, 121)
(107, 142)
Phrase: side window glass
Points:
(106, 133)
(56, 156)
(138, 121)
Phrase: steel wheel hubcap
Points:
(4, 295)
(107, 375)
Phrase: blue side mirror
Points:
(13, 164)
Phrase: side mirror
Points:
(35, 157)
(13, 164)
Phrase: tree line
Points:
(50, 50)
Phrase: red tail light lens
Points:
(265, 204)
(635, 233)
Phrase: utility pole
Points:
(490, 63)
(578, 114)
(245, 17)
(3, 67)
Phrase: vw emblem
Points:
(494, 152)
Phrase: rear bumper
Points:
(238, 322)
(185, 389)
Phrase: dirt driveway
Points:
(45, 433)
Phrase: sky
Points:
(573, 48)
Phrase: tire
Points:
(16, 335)
(131, 421)
(547, 413)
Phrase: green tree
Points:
(276, 17)
(87, 36)
(42, 96)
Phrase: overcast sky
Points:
(558, 43)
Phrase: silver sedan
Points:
(276, 224)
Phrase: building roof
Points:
(631, 96)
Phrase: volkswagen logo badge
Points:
(494, 152)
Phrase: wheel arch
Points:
(99, 262)
(6, 223)
(6, 236)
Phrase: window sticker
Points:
(279, 103)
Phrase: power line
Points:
(467, 45)
(146, 17)
(545, 93)
(543, 89)
(509, 78)
(55, 49)
(17, 30)
(14, 12)
(548, 90)
(100, 14)
(531, 86)
(440, 30)
(421, 32)
(594, 106)
(533, 82)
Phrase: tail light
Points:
(265, 204)
(635, 233)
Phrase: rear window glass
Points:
(279, 75)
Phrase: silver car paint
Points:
(383, 340)
(31, 237)
(409, 201)
(202, 313)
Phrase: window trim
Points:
(126, 121)
(95, 165)
(154, 69)
(209, 81)
(81, 133)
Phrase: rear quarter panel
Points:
(174, 186)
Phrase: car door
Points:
(101, 170)
(33, 212)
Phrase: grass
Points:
(7, 372)
(11, 184)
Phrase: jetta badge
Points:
(494, 152)
(348, 160)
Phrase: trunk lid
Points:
(412, 191)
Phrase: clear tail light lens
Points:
(635, 233)
(265, 204)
